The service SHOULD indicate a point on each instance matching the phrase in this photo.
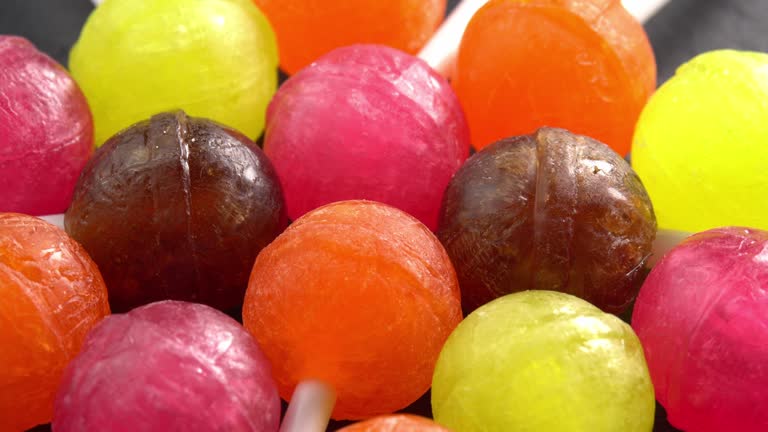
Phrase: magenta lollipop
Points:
(702, 317)
(46, 130)
(168, 366)
(366, 122)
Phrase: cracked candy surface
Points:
(176, 208)
(585, 66)
(701, 316)
(359, 295)
(168, 366)
(46, 130)
(366, 122)
(396, 423)
(542, 361)
(553, 211)
(212, 58)
(308, 29)
(51, 295)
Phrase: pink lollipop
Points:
(366, 122)
(46, 130)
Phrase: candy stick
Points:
(440, 52)
(57, 219)
(310, 408)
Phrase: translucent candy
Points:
(396, 423)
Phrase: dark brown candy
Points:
(176, 208)
(549, 211)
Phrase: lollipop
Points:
(356, 295)
(51, 294)
(169, 366)
(585, 66)
(552, 210)
(307, 29)
(176, 207)
(701, 316)
(396, 423)
(543, 361)
(213, 58)
(46, 130)
(700, 143)
(366, 122)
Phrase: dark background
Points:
(681, 30)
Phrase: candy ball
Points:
(542, 361)
(46, 130)
(51, 294)
(553, 211)
(585, 66)
(170, 366)
(396, 423)
(212, 58)
(307, 29)
(176, 208)
(366, 122)
(701, 316)
(358, 295)
(700, 143)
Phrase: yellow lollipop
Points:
(211, 58)
(701, 144)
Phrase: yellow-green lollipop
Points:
(701, 144)
(212, 58)
(542, 361)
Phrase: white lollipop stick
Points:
(310, 408)
(57, 219)
(440, 52)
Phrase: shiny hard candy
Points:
(176, 208)
(542, 361)
(701, 316)
(46, 131)
(366, 122)
(358, 295)
(396, 423)
(168, 366)
(553, 211)
(51, 295)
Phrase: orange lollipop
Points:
(396, 423)
(357, 295)
(51, 295)
(581, 65)
(307, 29)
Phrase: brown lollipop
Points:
(176, 208)
(549, 211)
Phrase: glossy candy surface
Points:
(552, 210)
(358, 295)
(212, 58)
(177, 208)
(366, 122)
(168, 366)
(51, 295)
(542, 361)
(585, 66)
(46, 130)
(396, 423)
(308, 29)
(701, 316)
(700, 143)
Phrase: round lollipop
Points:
(51, 294)
(585, 66)
(212, 58)
(169, 366)
(701, 316)
(308, 29)
(176, 208)
(545, 361)
(552, 210)
(366, 122)
(396, 423)
(700, 143)
(46, 130)
(357, 295)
